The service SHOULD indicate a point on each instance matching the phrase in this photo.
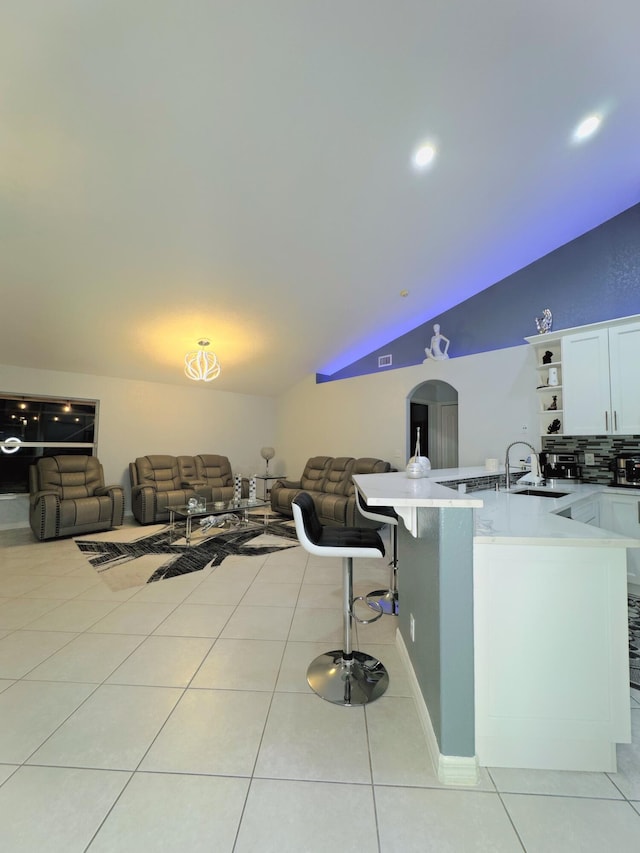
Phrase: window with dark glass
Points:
(31, 427)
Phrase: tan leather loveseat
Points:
(160, 482)
(68, 497)
(329, 482)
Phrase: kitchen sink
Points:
(540, 493)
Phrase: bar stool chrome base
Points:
(356, 682)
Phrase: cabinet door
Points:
(624, 369)
(586, 397)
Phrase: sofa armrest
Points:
(36, 497)
(44, 514)
(133, 473)
(286, 484)
(193, 484)
(116, 493)
(282, 493)
(143, 504)
(107, 490)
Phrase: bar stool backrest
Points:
(307, 522)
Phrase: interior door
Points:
(419, 415)
(448, 434)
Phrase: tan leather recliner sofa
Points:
(68, 497)
(329, 482)
(160, 482)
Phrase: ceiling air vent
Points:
(385, 360)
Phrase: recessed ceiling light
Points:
(587, 127)
(404, 293)
(424, 155)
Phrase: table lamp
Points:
(267, 453)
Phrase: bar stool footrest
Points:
(387, 599)
(353, 682)
(374, 605)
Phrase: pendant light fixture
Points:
(202, 366)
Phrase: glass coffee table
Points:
(239, 509)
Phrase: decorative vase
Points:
(418, 466)
(414, 470)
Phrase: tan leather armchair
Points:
(68, 497)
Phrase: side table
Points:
(266, 481)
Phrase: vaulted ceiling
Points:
(241, 170)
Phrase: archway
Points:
(433, 406)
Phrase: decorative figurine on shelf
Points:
(554, 426)
(554, 404)
(547, 358)
(439, 346)
(543, 324)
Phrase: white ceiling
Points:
(240, 169)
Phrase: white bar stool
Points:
(342, 676)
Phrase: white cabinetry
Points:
(621, 513)
(601, 370)
(538, 703)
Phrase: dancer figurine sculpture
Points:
(439, 347)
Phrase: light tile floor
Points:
(176, 716)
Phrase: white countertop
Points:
(509, 518)
(407, 495)
(397, 490)
(500, 517)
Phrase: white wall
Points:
(367, 415)
(138, 418)
(363, 416)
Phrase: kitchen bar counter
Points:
(407, 495)
(500, 516)
(514, 620)
(435, 620)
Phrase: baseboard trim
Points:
(456, 770)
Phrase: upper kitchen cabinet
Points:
(601, 373)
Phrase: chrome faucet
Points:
(535, 462)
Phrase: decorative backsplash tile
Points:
(604, 448)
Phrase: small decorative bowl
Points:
(219, 504)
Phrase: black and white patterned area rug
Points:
(634, 641)
(134, 556)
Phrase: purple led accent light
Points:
(593, 278)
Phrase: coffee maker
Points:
(560, 466)
(626, 469)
